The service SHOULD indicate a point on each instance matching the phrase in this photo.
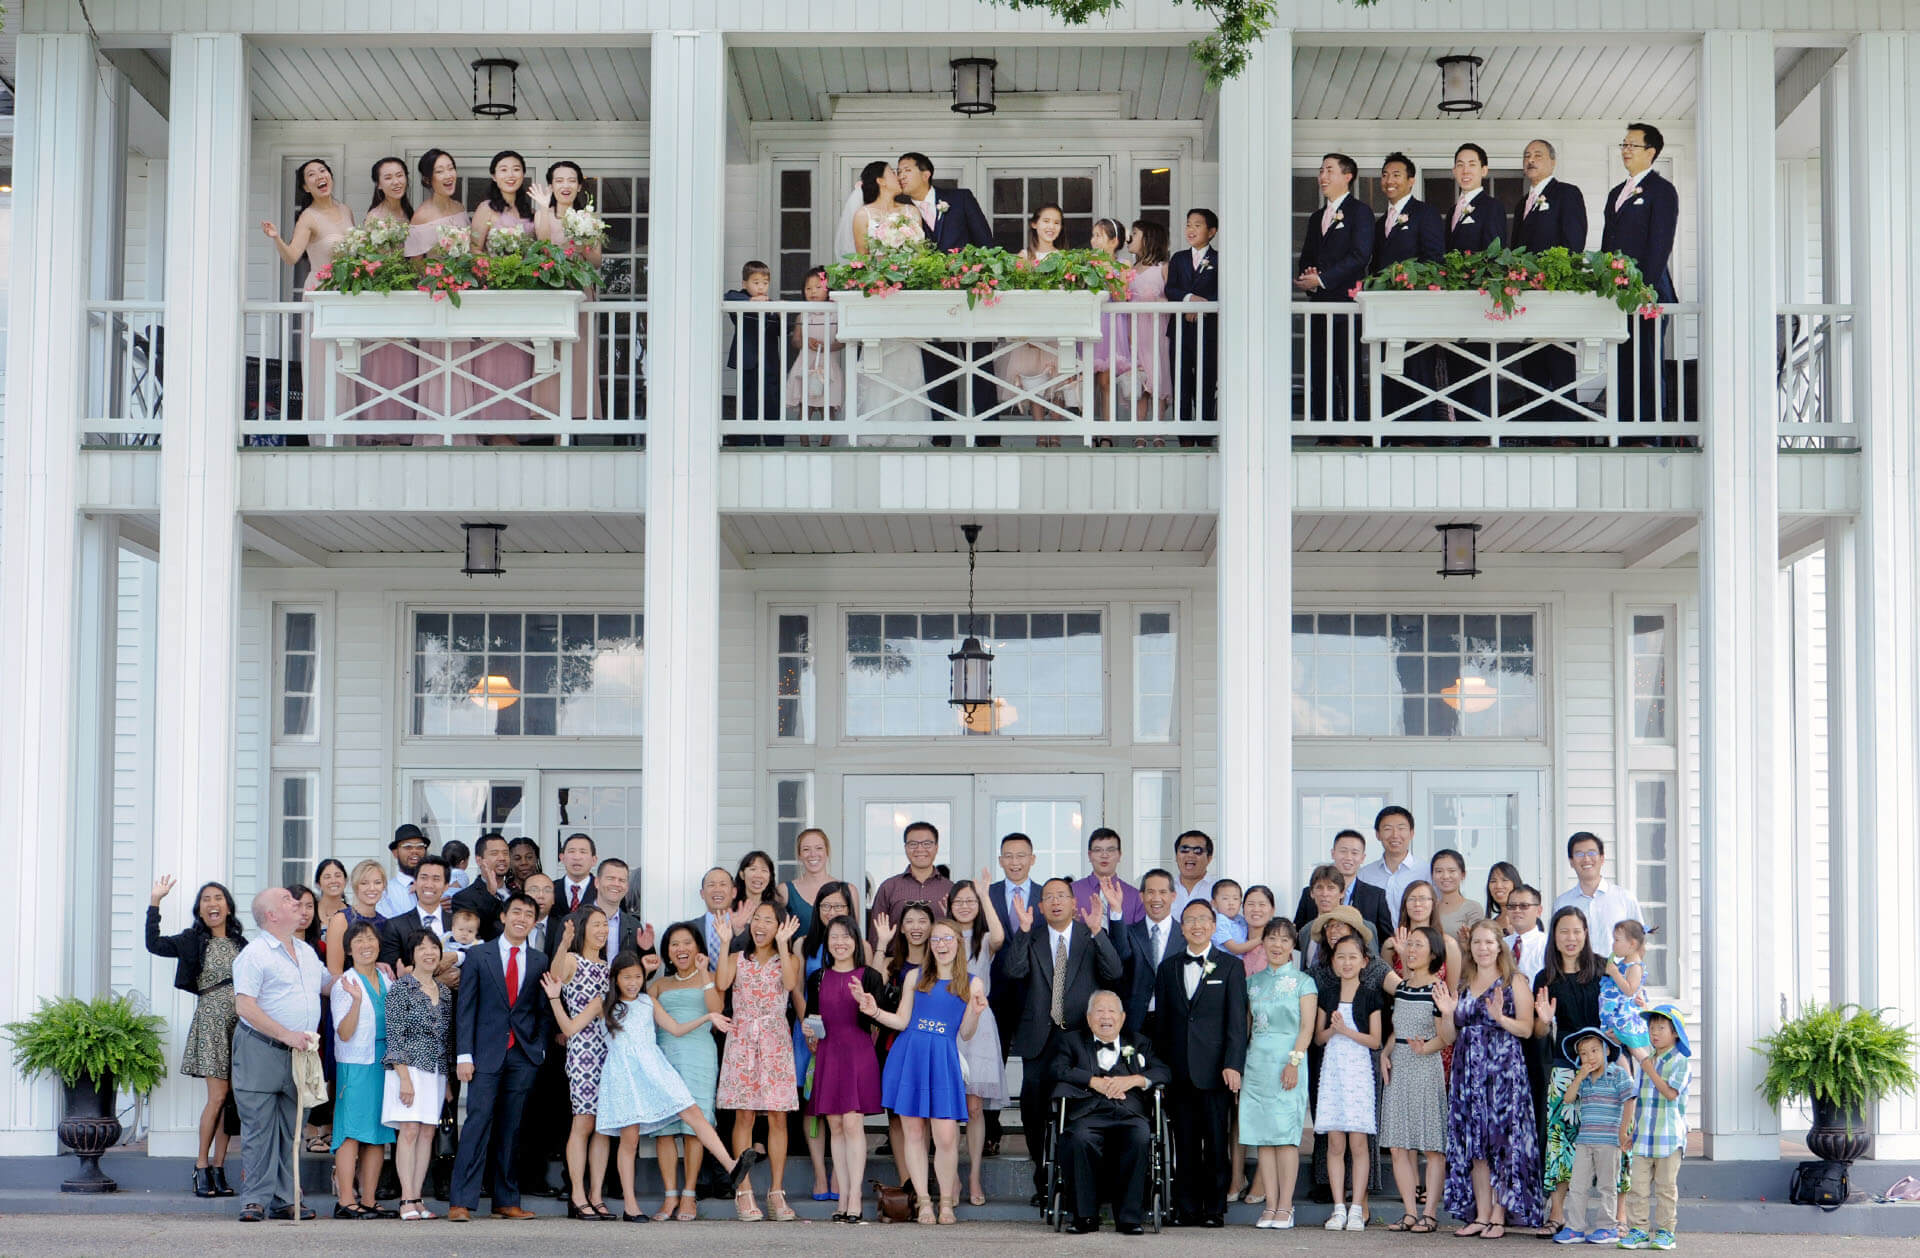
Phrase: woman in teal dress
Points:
(1283, 1003)
(685, 994)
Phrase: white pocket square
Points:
(1214, 982)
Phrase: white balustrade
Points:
(1814, 375)
(125, 346)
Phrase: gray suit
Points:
(263, 1091)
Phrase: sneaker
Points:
(1567, 1236)
(1603, 1236)
(1633, 1238)
(1357, 1219)
(1337, 1222)
(1662, 1239)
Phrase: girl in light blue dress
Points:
(1284, 1004)
(639, 1090)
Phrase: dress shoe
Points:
(513, 1212)
(458, 1214)
(1130, 1229)
(286, 1212)
(1215, 1220)
(221, 1188)
(992, 1149)
(1176, 1219)
(1080, 1227)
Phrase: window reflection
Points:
(1421, 675)
(1048, 673)
(485, 674)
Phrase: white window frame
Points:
(784, 869)
(819, 206)
(1134, 611)
(1671, 660)
(284, 744)
(276, 872)
(1638, 759)
(809, 697)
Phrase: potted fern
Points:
(94, 1047)
(1840, 1059)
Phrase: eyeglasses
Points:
(412, 847)
(1629, 145)
(1104, 849)
(922, 845)
(1515, 905)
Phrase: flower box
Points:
(541, 316)
(1391, 320)
(945, 316)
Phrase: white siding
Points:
(359, 655)
(1200, 642)
(1585, 670)
(253, 645)
(741, 828)
(132, 858)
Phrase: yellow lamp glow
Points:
(1469, 694)
(495, 692)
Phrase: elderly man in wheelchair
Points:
(1109, 1130)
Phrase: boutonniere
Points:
(1541, 205)
(941, 207)
(1206, 264)
(1128, 1052)
(1206, 970)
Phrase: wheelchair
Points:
(1159, 1167)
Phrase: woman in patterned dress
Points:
(576, 984)
(205, 952)
(1413, 1116)
(686, 1008)
(419, 1018)
(1284, 1004)
(756, 1073)
(1493, 1154)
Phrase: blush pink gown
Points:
(391, 366)
(447, 394)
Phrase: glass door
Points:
(466, 806)
(1015, 190)
(878, 809)
(604, 805)
(1326, 803)
(1485, 815)
(1056, 810)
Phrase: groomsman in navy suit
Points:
(1642, 215)
(1410, 231)
(952, 219)
(1334, 257)
(1193, 274)
(1553, 215)
(1478, 223)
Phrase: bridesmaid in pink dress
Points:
(1151, 371)
(1027, 364)
(444, 395)
(567, 190)
(321, 223)
(508, 367)
(390, 366)
(1113, 352)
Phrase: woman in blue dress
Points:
(687, 1008)
(923, 1083)
(1284, 1003)
(639, 1090)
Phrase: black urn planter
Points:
(1837, 1134)
(90, 1127)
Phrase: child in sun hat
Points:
(1602, 1092)
(1659, 1120)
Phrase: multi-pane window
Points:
(1649, 648)
(1153, 675)
(1048, 673)
(527, 673)
(466, 808)
(298, 676)
(622, 200)
(793, 188)
(1015, 197)
(792, 813)
(296, 823)
(1156, 805)
(1653, 851)
(1483, 826)
(1155, 198)
(1434, 675)
(793, 677)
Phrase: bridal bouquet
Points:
(455, 242)
(371, 258)
(584, 227)
(506, 240)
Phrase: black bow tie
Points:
(1193, 960)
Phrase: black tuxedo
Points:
(477, 896)
(1200, 1037)
(962, 223)
(1143, 967)
(503, 1073)
(1558, 220)
(1419, 235)
(1368, 900)
(1196, 345)
(395, 931)
(1643, 229)
(1483, 227)
(1343, 254)
(1092, 964)
(1106, 1141)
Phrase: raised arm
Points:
(290, 250)
(895, 1018)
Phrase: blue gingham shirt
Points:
(1660, 1125)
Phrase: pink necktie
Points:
(926, 212)
(1531, 198)
(1459, 211)
(1626, 190)
(1393, 219)
(1326, 220)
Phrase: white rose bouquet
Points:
(506, 240)
(584, 227)
(897, 230)
(456, 242)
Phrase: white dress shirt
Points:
(1607, 907)
(1058, 939)
(1169, 932)
(563, 892)
(1530, 957)
(1105, 1055)
(1192, 974)
(506, 956)
(1463, 205)
(435, 920)
(1397, 210)
(397, 900)
(1627, 189)
(1534, 194)
(1395, 881)
(286, 985)
(1202, 890)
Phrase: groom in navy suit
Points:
(1333, 258)
(1553, 215)
(952, 219)
(1642, 216)
(500, 1038)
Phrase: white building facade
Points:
(244, 642)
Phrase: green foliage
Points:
(981, 272)
(70, 1037)
(1238, 26)
(1506, 276)
(1846, 1056)
(372, 260)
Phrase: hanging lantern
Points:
(972, 686)
(1459, 549)
(483, 550)
(494, 692)
(1460, 84)
(1469, 694)
(973, 85)
(496, 89)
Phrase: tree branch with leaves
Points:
(1238, 26)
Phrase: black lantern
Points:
(972, 688)
(973, 85)
(1459, 549)
(1460, 84)
(483, 550)
(496, 78)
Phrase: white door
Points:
(879, 807)
(604, 805)
(464, 806)
(1056, 810)
(1326, 803)
(1486, 815)
(1013, 189)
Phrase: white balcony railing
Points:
(303, 390)
(125, 345)
(793, 381)
(1814, 374)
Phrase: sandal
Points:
(1405, 1224)
(319, 1144)
(407, 1212)
(926, 1214)
(599, 1210)
(1475, 1228)
(946, 1213)
(1488, 1235)
(748, 1213)
(1426, 1224)
(782, 1213)
(689, 1210)
(976, 1199)
(665, 1212)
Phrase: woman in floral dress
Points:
(756, 1072)
(576, 984)
(1493, 1153)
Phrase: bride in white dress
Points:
(902, 377)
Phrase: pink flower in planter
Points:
(1433, 288)
(1619, 281)
(1354, 292)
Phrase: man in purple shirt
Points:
(919, 882)
(1103, 853)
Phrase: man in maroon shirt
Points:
(919, 882)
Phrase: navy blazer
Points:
(1184, 280)
(1092, 964)
(1136, 988)
(1559, 219)
(1342, 253)
(1484, 226)
(963, 222)
(484, 1017)
(1201, 1036)
(1644, 228)
(1420, 235)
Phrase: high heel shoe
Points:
(221, 1188)
(665, 1212)
(748, 1212)
(779, 1212)
(581, 1212)
(203, 1182)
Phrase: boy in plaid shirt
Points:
(1660, 1132)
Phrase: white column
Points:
(90, 884)
(1742, 839)
(682, 587)
(1255, 554)
(53, 133)
(1886, 728)
(208, 136)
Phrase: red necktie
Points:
(573, 895)
(513, 987)
(1516, 950)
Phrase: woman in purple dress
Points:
(1493, 1152)
(846, 1070)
